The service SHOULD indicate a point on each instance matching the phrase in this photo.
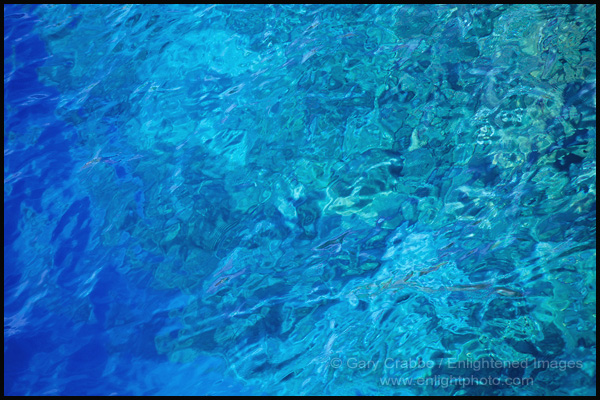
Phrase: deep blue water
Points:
(267, 200)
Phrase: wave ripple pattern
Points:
(300, 199)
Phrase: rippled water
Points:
(300, 199)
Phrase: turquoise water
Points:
(342, 200)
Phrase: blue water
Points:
(269, 200)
